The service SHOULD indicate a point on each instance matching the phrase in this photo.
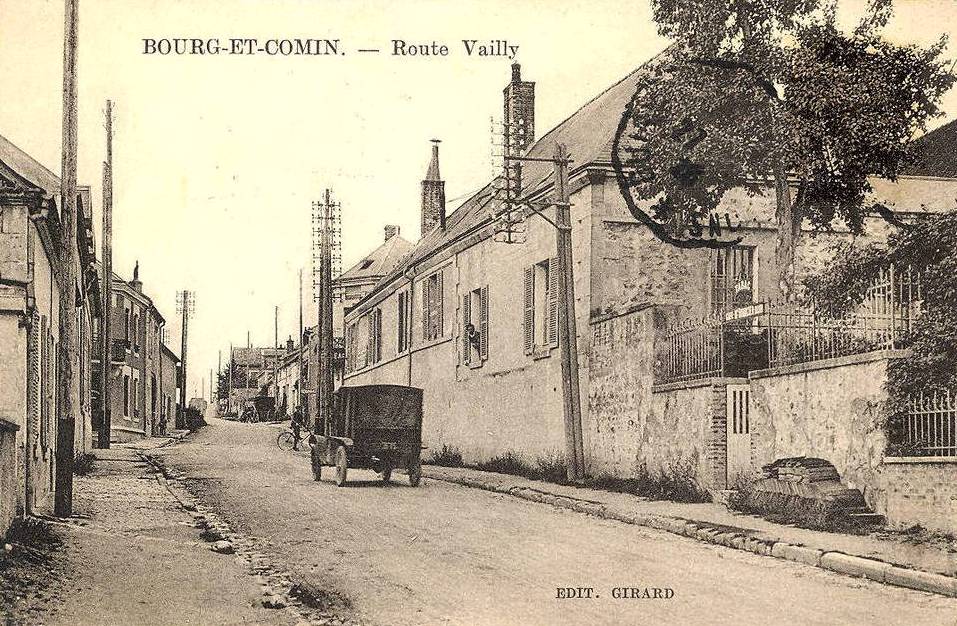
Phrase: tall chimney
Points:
(391, 230)
(519, 117)
(433, 195)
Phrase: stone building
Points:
(139, 388)
(473, 322)
(31, 293)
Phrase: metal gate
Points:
(739, 432)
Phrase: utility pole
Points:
(325, 318)
(69, 359)
(275, 363)
(185, 304)
(302, 350)
(106, 289)
(229, 378)
(567, 327)
(512, 216)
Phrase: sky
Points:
(218, 158)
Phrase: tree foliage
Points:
(761, 92)
(929, 247)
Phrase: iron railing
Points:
(769, 335)
(929, 425)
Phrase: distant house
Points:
(139, 387)
(473, 322)
(31, 293)
(348, 289)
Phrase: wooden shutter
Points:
(466, 318)
(34, 380)
(439, 308)
(529, 309)
(483, 316)
(378, 335)
(426, 307)
(44, 381)
(370, 328)
(553, 301)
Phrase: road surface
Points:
(447, 554)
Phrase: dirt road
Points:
(445, 554)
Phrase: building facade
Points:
(472, 320)
(138, 385)
(31, 296)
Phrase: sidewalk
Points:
(132, 555)
(892, 562)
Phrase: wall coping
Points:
(128, 429)
(919, 460)
(841, 361)
(698, 382)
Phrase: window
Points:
(405, 319)
(374, 352)
(732, 278)
(541, 307)
(432, 309)
(475, 327)
(126, 396)
(133, 387)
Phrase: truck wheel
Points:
(342, 466)
(415, 472)
(316, 465)
(386, 473)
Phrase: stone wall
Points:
(834, 410)
(632, 423)
(920, 491)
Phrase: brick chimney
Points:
(290, 345)
(433, 195)
(519, 116)
(391, 230)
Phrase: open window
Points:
(541, 307)
(475, 327)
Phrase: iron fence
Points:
(929, 426)
(768, 335)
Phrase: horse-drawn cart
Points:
(377, 427)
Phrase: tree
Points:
(929, 248)
(772, 92)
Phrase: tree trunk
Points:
(788, 217)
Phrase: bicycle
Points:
(287, 440)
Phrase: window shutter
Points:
(483, 337)
(426, 308)
(529, 309)
(466, 318)
(44, 381)
(34, 380)
(553, 301)
(378, 334)
(439, 308)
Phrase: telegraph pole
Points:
(69, 358)
(325, 318)
(106, 288)
(185, 304)
(567, 327)
(229, 378)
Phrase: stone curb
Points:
(839, 562)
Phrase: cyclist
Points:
(297, 424)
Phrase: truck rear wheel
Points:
(342, 465)
(415, 472)
(316, 465)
